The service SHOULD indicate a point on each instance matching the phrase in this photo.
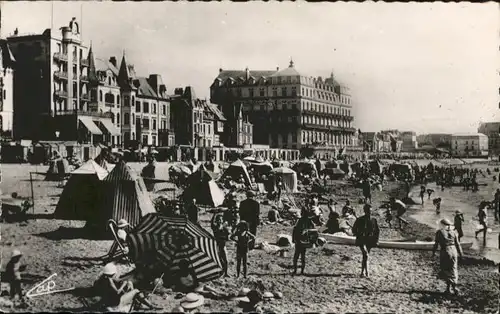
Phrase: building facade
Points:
(409, 141)
(492, 130)
(196, 122)
(469, 145)
(291, 110)
(51, 88)
(7, 63)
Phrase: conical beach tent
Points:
(101, 161)
(203, 188)
(123, 196)
(81, 193)
(288, 177)
(237, 169)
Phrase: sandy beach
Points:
(331, 282)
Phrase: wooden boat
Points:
(388, 244)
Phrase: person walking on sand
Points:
(458, 222)
(483, 218)
(400, 208)
(367, 234)
(243, 237)
(300, 236)
(367, 191)
(422, 193)
(447, 240)
(437, 203)
(250, 212)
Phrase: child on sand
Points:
(458, 221)
(13, 274)
(242, 237)
(437, 203)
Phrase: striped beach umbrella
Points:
(172, 239)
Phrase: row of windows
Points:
(325, 121)
(309, 137)
(205, 128)
(109, 98)
(145, 108)
(305, 105)
(291, 91)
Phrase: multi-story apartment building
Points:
(6, 89)
(440, 140)
(291, 110)
(105, 95)
(51, 88)
(138, 107)
(239, 130)
(409, 141)
(196, 122)
(381, 142)
(492, 130)
(469, 145)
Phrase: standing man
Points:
(367, 191)
(367, 233)
(250, 212)
(497, 205)
(192, 211)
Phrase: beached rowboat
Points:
(388, 244)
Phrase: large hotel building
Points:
(289, 109)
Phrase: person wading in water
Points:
(367, 236)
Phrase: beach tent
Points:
(235, 170)
(346, 167)
(203, 188)
(155, 177)
(288, 177)
(101, 161)
(305, 166)
(123, 196)
(375, 167)
(58, 169)
(81, 193)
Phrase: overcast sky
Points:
(425, 67)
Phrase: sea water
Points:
(455, 198)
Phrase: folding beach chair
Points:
(121, 253)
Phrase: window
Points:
(250, 91)
(275, 92)
(100, 95)
(262, 93)
(164, 109)
(138, 121)
(294, 91)
(117, 119)
(154, 108)
(283, 91)
(137, 106)
(154, 124)
(238, 92)
(146, 107)
(118, 99)
(109, 80)
(126, 118)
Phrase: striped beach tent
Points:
(81, 194)
(168, 240)
(123, 196)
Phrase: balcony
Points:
(84, 78)
(109, 104)
(61, 56)
(84, 62)
(82, 113)
(145, 128)
(61, 94)
(85, 97)
(61, 75)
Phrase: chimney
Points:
(277, 69)
(247, 73)
(220, 70)
(112, 60)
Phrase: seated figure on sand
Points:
(117, 296)
(119, 243)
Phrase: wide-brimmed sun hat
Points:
(109, 269)
(122, 223)
(16, 252)
(446, 222)
(192, 301)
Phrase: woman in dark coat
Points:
(367, 235)
(450, 249)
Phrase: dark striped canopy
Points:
(172, 239)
